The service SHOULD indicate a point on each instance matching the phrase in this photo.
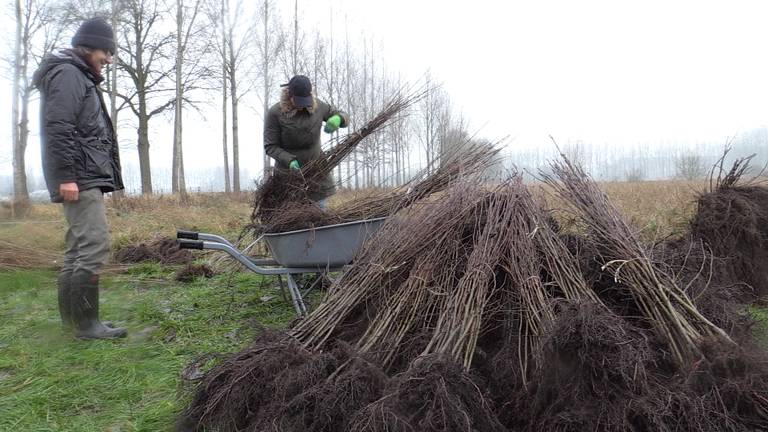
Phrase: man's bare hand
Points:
(69, 191)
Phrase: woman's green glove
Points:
(294, 165)
(332, 123)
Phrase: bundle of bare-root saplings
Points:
(473, 311)
(283, 201)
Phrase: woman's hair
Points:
(82, 51)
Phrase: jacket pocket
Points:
(97, 159)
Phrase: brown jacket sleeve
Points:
(272, 139)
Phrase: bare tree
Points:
(293, 54)
(218, 15)
(690, 166)
(433, 110)
(144, 57)
(238, 40)
(232, 57)
(20, 192)
(192, 46)
(112, 78)
(634, 174)
(349, 73)
(269, 43)
(37, 31)
(224, 92)
(453, 136)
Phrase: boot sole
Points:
(120, 336)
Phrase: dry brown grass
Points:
(40, 236)
(657, 208)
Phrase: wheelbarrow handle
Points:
(183, 234)
(190, 244)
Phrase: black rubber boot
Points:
(64, 284)
(85, 308)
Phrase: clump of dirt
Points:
(193, 271)
(717, 290)
(235, 393)
(588, 357)
(434, 394)
(330, 404)
(733, 221)
(277, 383)
(163, 250)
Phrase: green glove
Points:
(294, 165)
(332, 123)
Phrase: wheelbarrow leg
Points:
(282, 288)
(298, 302)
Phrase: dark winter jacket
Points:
(77, 139)
(291, 133)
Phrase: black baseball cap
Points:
(301, 90)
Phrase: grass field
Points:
(50, 382)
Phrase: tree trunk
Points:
(267, 80)
(235, 138)
(113, 82)
(20, 192)
(143, 132)
(113, 70)
(295, 51)
(348, 90)
(227, 184)
(235, 100)
(177, 176)
(142, 114)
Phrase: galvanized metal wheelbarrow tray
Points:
(314, 250)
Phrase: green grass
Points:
(51, 382)
(760, 313)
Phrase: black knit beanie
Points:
(95, 33)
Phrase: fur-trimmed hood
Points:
(288, 108)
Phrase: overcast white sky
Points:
(619, 71)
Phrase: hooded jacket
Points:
(293, 133)
(77, 139)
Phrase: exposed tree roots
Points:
(473, 312)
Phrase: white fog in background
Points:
(641, 81)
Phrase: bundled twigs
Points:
(560, 264)
(409, 311)
(391, 259)
(530, 298)
(665, 306)
(460, 322)
(470, 160)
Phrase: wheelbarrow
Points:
(314, 250)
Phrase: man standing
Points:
(292, 130)
(80, 163)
